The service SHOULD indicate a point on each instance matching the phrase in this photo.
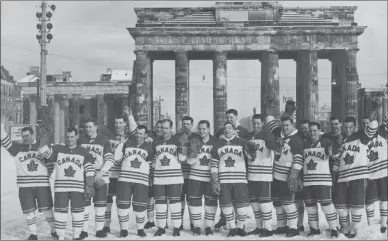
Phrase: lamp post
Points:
(44, 130)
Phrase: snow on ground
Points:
(14, 227)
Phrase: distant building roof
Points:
(117, 75)
(28, 79)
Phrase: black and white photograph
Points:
(194, 120)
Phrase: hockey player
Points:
(350, 176)
(286, 177)
(229, 178)
(304, 129)
(289, 110)
(183, 137)
(136, 158)
(100, 149)
(260, 176)
(33, 173)
(377, 148)
(74, 173)
(199, 179)
(121, 123)
(317, 180)
(167, 179)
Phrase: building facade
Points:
(11, 100)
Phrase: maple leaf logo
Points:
(348, 159)
(204, 161)
(165, 161)
(135, 163)
(312, 165)
(229, 162)
(69, 172)
(261, 149)
(373, 156)
(32, 167)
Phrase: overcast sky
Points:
(92, 36)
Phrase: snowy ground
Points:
(14, 227)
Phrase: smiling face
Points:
(203, 130)
(90, 128)
(257, 125)
(287, 127)
(120, 125)
(335, 126)
(71, 139)
(229, 130)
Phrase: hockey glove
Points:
(192, 161)
(99, 183)
(216, 184)
(89, 188)
(293, 180)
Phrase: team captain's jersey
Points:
(352, 161)
(167, 167)
(260, 169)
(200, 170)
(71, 167)
(288, 155)
(377, 155)
(316, 168)
(114, 142)
(32, 169)
(100, 146)
(136, 162)
(228, 160)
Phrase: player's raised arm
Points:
(214, 170)
(6, 141)
(109, 160)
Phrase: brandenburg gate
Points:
(248, 30)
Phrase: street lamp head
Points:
(38, 15)
(52, 7)
(49, 26)
(49, 36)
(49, 14)
(39, 26)
(38, 36)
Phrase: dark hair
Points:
(287, 118)
(350, 119)
(313, 123)
(29, 129)
(121, 116)
(158, 122)
(204, 122)
(230, 123)
(258, 117)
(71, 129)
(142, 127)
(334, 118)
(305, 122)
(232, 111)
(187, 118)
(365, 117)
(93, 120)
(167, 121)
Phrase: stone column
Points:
(182, 90)
(101, 110)
(74, 111)
(143, 89)
(307, 86)
(57, 120)
(351, 82)
(338, 87)
(33, 111)
(270, 104)
(51, 114)
(132, 91)
(62, 117)
(219, 89)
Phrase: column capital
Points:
(180, 51)
(141, 52)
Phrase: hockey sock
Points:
(31, 221)
(60, 224)
(123, 218)
(99, 217)
(210, 215)
(161, 213)
(241, 216)
(300, 206)
(86, 218)
(292, 215)
(312, 212)
(266, 210)
(356, 219)
(77, 222)
(150, 209)
(383, 213)
(370, 212)
(331, 215)
(344, 219)
(176, 215)
(49, 214)
(108, 215)
(281, 217)
(258, 215)
(195, 208)
(140, 218)
(229, 216)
